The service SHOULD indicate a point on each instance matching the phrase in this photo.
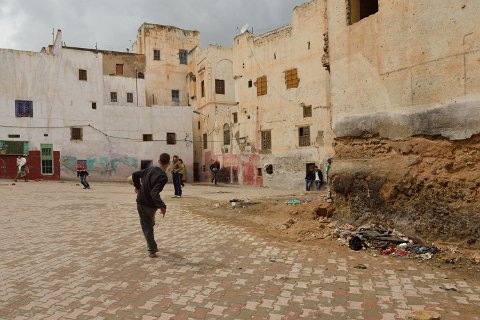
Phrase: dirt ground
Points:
(266, 212)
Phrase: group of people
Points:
(315, 176)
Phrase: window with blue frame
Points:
(23, 108)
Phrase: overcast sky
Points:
(28, 24)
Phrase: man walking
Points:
(215, 167)
(22, 168)
(82, 173)
(177, 177)
(148, 185)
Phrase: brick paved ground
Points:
(67, 253)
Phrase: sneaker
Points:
(174, 197)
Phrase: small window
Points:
(219, 86)
(46, 159)
(269, 169)
(171, 138)
(175, 95)
(307, 111)
(23, 109)
(119, 70)
(308, 45)
(304, 136)
(198, 125)
(82, 74)
(14, 136)
(267, 140)
(148, 137)
(235, 117)
(140, 75)
(250, 83)
(129, 97)
(226, 134)
(76, 134)
(262, 86)
(183, 56)
(94, 105)
(202, 88)
(259, 172)
(14, 147)
(360, 9)
(205, 142)
(291, 78)
(156, 54)
(113, 96)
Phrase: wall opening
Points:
(309, 167)
(147, 137)
(171, 138)
(269, 169)
(226, 134)
(360, 9)
(259, 172)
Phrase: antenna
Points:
(244, 28)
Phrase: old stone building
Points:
(405, 97)
(166, 51)
(72, 106)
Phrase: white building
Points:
(84, 106)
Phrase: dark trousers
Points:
(84, 182)
(214, 177)
(177, 183)
(147, 221)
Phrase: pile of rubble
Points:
(387, 242)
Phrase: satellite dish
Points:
(244, 28)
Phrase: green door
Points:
(47, 159)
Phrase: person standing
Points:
(215, 167)
(327, 171)
(149, 183)
(82, 173)
(184, 172)
(318, 178)
(309, 178)
(22, 168)
(177, 177)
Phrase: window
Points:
(129, 97)
(140, 75)
(235, 117)
(23, 109)
(250, 83)
(219, 86)
(262, 86)
(46, 159)
(226, 134)
(360, 9)
(147, 137)
(205, 142)
(175, 95)
(145, 164)
(94, 105)
(198, 125)
(113, 96)
(291, 78)
(14, 147)
(156, 54)
(76, 134)
(119, 70)
(307, 111)
(82, 74)
(202, 88)
(13, 136)
(183, 56)
(259, 172)
(171, 138)
(304, 136)
(266, 140)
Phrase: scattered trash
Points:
(294, 202)
(360, 266)
(395, 252)
(355, 243)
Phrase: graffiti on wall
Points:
(104, 166)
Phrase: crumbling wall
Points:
(422, 185)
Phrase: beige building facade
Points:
(166, 50)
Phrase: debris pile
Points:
(387, 242)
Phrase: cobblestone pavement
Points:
(67, 253)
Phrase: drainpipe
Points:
(136, 83)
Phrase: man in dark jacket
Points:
(148, 185)
(215, 167)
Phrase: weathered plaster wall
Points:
(297, 46)
(412, 68)
(122, 86)
(167, 74)
(132, 63)
(112, 134)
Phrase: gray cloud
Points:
(28, 24)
